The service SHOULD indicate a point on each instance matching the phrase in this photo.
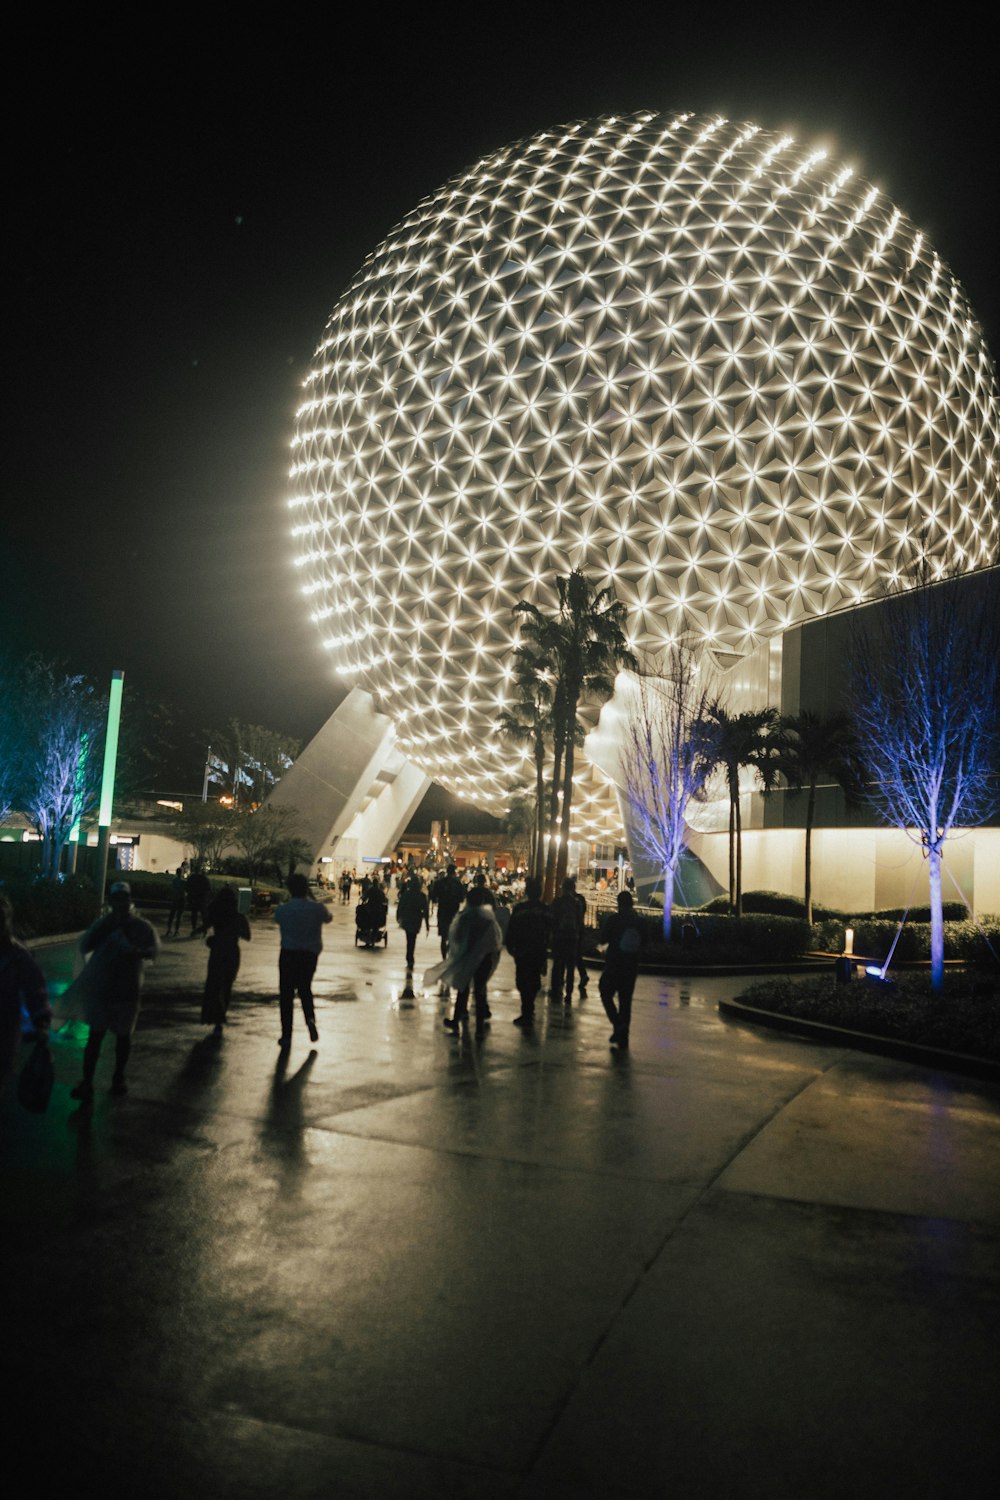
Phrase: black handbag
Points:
(34, 1087)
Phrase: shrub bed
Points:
(963, 1017)
(778, 904)
(770, 903)
(697, 939)
(43, 907)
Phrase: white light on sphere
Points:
(696, 359)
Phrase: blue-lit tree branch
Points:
(926, 675)
(666, 760)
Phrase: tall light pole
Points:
(108, 778)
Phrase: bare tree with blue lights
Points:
(926, 668)
(667, 757)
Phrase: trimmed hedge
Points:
(43, 907)
(772, 904)
(776, 903)
(873, 939)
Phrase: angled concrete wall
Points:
(351, 784)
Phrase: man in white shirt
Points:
(301, 922)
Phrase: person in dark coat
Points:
(622, 932)
(228, 925)
(449, 894)
(199, 893)
(412, 914)
(178, 901)
(21, 983)
(567, 938)
(527, 938)
(120, 944)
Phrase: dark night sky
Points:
(187, 207)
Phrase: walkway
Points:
(727, 1264)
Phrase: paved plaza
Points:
(398, 1264)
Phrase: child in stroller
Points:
(370, 926)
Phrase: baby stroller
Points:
(370, 926)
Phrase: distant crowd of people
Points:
(475, 921)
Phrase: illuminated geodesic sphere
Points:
(701, 362)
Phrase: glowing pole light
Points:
(108, 778)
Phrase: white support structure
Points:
(353, 789)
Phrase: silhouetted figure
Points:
(623, 934)
(345, 889)
(527, 938)
(412, 914)
(370, 915)
(449, 894)
(178, 900)
(228, 925)
(120, 943)
(301, 922)
(22, 983)
(567, 940)
(198, 892)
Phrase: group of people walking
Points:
(473, 929)
(473, 935)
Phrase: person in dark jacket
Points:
(412, 914)
(449, 894)
(199, 891)
(228, 925)
(622, 932)
(21, 983)
(528, 933)
(567, 938)
(178, 900)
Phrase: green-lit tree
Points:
(58, 753)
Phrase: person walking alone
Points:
(412, 914)
(301, 921)
(622, 932)
(228, 925)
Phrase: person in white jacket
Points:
(474, 943)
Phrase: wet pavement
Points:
(403, 1265)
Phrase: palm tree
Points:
(521, 827)
(529, 722)
(739, 740)
(810, 749)
(586, 643)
